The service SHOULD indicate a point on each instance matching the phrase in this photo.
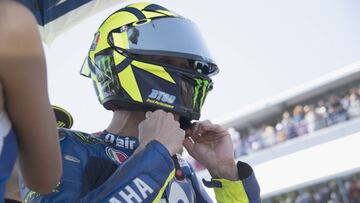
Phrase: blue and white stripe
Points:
(56, 16)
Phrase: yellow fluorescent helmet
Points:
(145, 57)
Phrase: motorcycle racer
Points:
(151, 68)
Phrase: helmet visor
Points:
(167, 36)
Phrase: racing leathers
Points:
(102, 167)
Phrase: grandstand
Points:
(303, 143)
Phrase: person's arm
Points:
(23, 75)
(245, 189)
(211, 145)
(142, 178)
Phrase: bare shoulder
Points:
(14, 16)
(18, 27)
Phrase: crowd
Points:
(352, 187)
(341, 190)
(328, 192)
(301, 121)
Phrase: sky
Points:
(262, 48)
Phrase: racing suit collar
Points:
(120, 141)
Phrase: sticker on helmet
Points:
(95, 41)
(104, 74)
(161, 99)
(162, 96)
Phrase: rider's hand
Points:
(211, 145)
(161, 126)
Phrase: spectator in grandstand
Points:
(246, 144)
(298, 120)
(353, 189)
(304, 197)
(281, 134)
(298, 114)
(321, 110)
(235, 138)
(27, 122)
(269, 136)
(334, 193)
(337, 113)
(288, 126)
(311, 118)
(345, 101)
(354, 103)
(255, 140)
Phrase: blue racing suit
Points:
(8, 151)
(102, 167)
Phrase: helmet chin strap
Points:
(185, 123)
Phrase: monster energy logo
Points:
(103, 71)
(200, 94)
(86, 138)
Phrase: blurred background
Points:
(288, 89)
